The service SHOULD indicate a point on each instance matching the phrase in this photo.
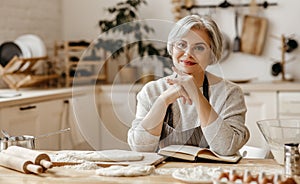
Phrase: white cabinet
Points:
(117, 111)
(81, 116)
(260, 105)
(289, 104)
(34, 119)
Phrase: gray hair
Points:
(202, 23)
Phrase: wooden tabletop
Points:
(66, 175)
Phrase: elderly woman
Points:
(192, 106)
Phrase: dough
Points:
(111, 155)
(106, 155)
(131, 170)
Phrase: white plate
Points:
(194, 175)
(34, 43)
(26, 53)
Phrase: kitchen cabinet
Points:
(117, 111)
(260, 105)
(81, 116)
(289, 104)
(34, 119)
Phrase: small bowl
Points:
(278, 132)
(25, 141)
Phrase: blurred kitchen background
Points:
(61, 20)
(58, 32)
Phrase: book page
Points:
(192, 150)
(209, 154)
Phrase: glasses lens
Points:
(181, 45)
(197, 48)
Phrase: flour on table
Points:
(101, 156)
(131, 170)
(83, 166)
(111, 155)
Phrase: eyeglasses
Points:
(198, 48)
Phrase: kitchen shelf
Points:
(83, 71)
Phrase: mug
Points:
(276, 68)
(291, 45)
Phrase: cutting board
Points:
(253, 34)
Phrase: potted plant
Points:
(124, 36)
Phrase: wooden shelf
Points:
(67, 49)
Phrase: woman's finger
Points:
(178, 72)
(183, 100)
(185, 95)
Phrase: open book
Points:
(193, 153)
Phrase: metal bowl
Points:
(25, 141)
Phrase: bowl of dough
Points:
(279, 132)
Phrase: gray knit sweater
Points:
(226, 135)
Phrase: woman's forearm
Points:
(154, 119)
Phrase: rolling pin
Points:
(19, 164)
(34, 156)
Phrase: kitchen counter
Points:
(33, 95)
(67, 175)
(250, 86)
(270, 86)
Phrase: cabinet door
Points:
(260, 105)
(50, 120)
(20, 120)
(117, 111)
(34, 119)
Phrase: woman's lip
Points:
(187, 62)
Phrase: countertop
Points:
(32, 95)
(67, 175)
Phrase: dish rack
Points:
(19, 72)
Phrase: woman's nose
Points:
(188, 51)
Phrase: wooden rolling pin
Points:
(19, 164)
(37, 157)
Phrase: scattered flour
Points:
(83, 166)
(70, 157)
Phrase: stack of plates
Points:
(25, 46)
(31, 46)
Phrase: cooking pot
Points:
(26, 141)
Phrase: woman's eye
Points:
(181, 45)
(198, 48)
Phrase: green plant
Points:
(131, 33)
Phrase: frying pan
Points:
(7, 51)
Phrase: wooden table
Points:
(60, 175)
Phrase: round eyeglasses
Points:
(197, 48)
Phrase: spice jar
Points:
(291, 159)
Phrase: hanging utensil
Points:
(53, 133)
(5, 133)
(237, 39)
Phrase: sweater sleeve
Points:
(228, 133)
(138, 138)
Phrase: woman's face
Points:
(192, 53)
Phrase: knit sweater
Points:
(226, 135)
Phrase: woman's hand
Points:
(189, 91)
